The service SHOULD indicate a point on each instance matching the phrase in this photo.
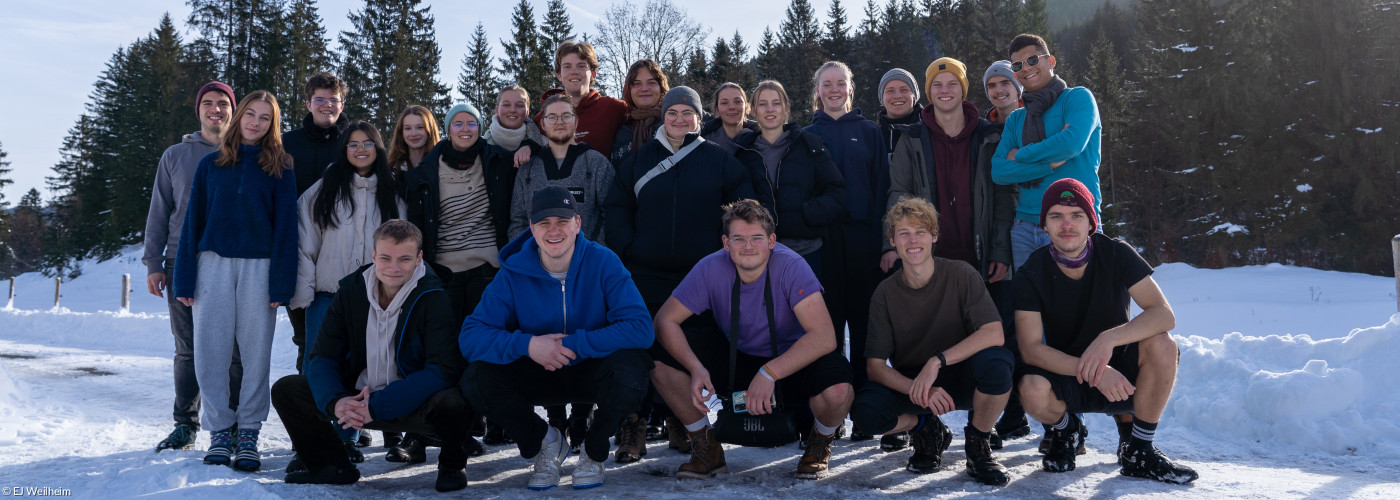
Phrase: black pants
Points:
(466, 289)
(186, 409)
(507, 395)
(318, 444)
(877, 408)
(851, 271)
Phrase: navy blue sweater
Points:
(240, 212)
(858, 149)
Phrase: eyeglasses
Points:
(687, 115)
(566, 118)
(321, 101)
(1030, 61)
(745, 241)
(470, 125)
(359, 145)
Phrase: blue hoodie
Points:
(598, 306)
(858, 149)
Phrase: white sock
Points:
(823, 429)
(698, 425)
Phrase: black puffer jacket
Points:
(312, 149)
(674, 222)
(420, 192)
(809, 194)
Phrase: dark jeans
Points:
(186, 386)
(466, 289)
(877, 408)
(298, 319)
(507, 395)
(318, 444)
(850, 273)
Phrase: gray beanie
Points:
(901, 75)
(1003, 68)
(682, 95)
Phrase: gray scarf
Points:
(1033, 130)
(507, 138)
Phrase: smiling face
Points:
(1036, 77)
(575, 74)
(415, 132)
(731, 106)
(1069, 229)
(645, 90)
(255, 122)
(462, 130)
(681, 120)
(1002, 92)
(945, 92)
(361, 152)
(325, 107)
(834, 90)
(749, 246)
(913, 242)
(394, 262)
(214, 111)
(897, 98)
(511, 109)
(556, 237)
(770, 110)
(559, 123)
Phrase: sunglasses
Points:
(1030, 61)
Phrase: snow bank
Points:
(1290, 393)
(12, 399)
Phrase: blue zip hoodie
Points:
(858, 149)
(240, 212)
(598, 306)
(1072, 132)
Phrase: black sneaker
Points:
(1083, 436)
(352, 451)
(1141, 459)
(450, 479)
(329, 474)
(182, 438)
(412, 450)
(1064, 443)
(1009, 427)
(894, 442)
(980, 463)
(929, 444)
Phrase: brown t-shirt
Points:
(910, 325)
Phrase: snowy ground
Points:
(1286, 390)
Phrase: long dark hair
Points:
(336, 182)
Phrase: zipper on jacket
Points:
(564, 301)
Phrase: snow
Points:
(1303, 188)
(1368, 131)
(1284, 391)
(1229, 228)
(1319, 158)
(1185, 47)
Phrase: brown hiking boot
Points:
(675, 433)
(815, 457)
(631, 440)
(706, 456)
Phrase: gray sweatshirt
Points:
(169, 195)
(589, 180)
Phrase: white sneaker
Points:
(587, 474)
(547, 462)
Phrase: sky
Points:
(52, 53)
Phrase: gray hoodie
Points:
(589, 180)
(169, 195)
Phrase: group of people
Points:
(647, 261)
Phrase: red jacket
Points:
(599, 117)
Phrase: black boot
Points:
(894, 442)
(1009, 427)
(1064, 443)
(392, 439)
(980, 463)
(1141, 459)
(412, 450)
(352, 450)
(929, 441)
(450, 478)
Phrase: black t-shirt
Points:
(1075, 312)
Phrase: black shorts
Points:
(712, 348)
(1079, 397)
(877, 408)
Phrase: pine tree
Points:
(246, 38)
(555, 29)
(7, 254)
(26, 238)
(799, 44)
(697, 74)
(390, 61)
(4, 177)
(837, 42)
(767, 62)
(1112, 91)
(478, 83)
(306, 56)
(527, 61)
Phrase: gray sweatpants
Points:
(186, 382)
(231, 308)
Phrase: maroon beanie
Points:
(1070, 193)
(219, 86)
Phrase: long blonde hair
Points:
(398, 147)
(273, 158)
(817, 84)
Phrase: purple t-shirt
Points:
(711, 281)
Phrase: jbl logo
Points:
(753, 425)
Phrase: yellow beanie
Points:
(946, 65)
